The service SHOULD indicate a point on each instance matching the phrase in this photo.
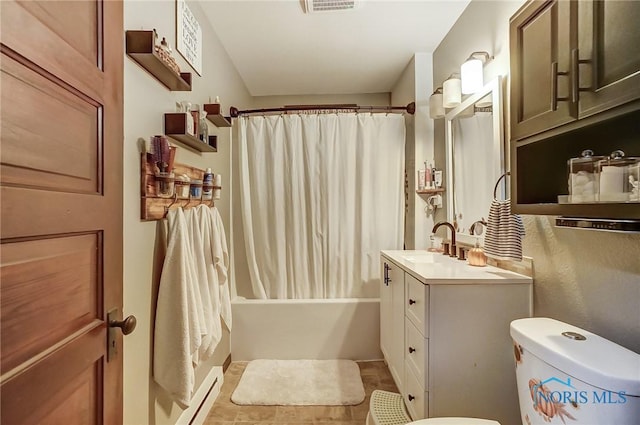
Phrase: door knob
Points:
(411, 398)
(127, 325)
(411, 350)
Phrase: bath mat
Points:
(299, 383)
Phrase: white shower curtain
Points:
(321, 195)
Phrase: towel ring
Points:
(495, 188)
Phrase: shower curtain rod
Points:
(410, 109)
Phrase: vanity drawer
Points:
(416, 352)
(417, 306)
(415, 397)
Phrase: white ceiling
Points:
(280, 50)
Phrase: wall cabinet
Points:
(570, 60)
(457, 355)
(575, 85)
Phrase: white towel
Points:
(221, 259)
(178, 331)
(211, 276)
(503, 240)
(207, 303)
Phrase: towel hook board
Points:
(153, 207)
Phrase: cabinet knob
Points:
(411, 302)
(411, 349)
(411, 398)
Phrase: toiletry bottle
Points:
(207, 185)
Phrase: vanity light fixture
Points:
(451, 91)
(436, 110)
(472, 73)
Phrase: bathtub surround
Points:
(306, 329)
(324, 193)
(300, 383)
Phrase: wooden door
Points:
(61, 230)
(541, 36)
(608, 55)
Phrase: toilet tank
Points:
(567, 375)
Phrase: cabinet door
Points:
(386, 303)
(609, 54)
(541, 81)
(396, 347)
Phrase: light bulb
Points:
(472, 78)
(436, 110)
(451, 92)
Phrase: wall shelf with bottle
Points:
(175, 127)
(141, 47)
(159, 193)
(214, 114)
(430, 191)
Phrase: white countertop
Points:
(434, 268)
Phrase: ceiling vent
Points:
(313, 6)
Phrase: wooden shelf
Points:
(153, 207)
(214, 114)
(140, 48)
(175, 127)
(430, 191)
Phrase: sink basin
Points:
(420, 257)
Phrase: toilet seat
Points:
(454, 421)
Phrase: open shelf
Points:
(140, 48)
(215, 116)
(175, 127)
(430, 191)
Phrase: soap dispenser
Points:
(477, 256)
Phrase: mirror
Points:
(475, 157)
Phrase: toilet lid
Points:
(454, 421)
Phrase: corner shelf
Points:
(430, 191)
(215, 116)
(140, 48)
(175, 127)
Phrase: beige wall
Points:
(415, 84)
(586, 278)
(145, 101)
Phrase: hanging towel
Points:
(208, 305)
(503, 240)
(178, 330)
(221, 259)
(211, 277)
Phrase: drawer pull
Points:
(411, 302)
(411, 398)
(411, 350)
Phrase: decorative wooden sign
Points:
(188, 36)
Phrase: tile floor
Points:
(375, 375)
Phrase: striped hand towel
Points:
(503, 240)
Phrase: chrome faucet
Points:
(450, 251)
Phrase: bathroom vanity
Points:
(444, 333)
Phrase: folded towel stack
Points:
(503, 240)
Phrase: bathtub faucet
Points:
(451, 252)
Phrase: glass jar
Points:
(195, 191)
(613, 177)
(634, 181)
(583, 185)
(183, 184)
(164, 184)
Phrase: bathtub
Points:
(346, 328)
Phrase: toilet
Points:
(566, 375)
